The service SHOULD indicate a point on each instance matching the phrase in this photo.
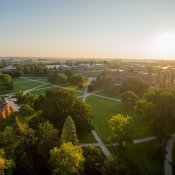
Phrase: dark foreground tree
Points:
(94, 160)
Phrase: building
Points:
(90, 70)
(4, 109)
(8, 69)
(59, 66)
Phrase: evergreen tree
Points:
(69, 131)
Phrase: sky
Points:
(87, 28)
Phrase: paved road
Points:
(168, 156)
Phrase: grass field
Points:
(37, 85)
(103, 109)
(87, 138)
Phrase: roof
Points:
(2, 105)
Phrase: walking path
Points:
(99, 141)
(135, 141)
(101, 144)
(109, 98)
(89, 144)
(34, 88)
(146, 139)
(168, 157)
(85, 93)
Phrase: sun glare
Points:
(164, 46)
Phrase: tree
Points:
(6, 81)
(94, 160)
(158, 107)
(5, 165)
(135, 84)
(25, 152)
(90, 88)
(60, 78)
(81, 115)
(103, 80)
(119, 126)
(27, 98)
(58, 105)
(77, 80)
(57, 77)
(47, 137)
(66, 160)
(9, 140)
(69, 131)
(61, 103)
(26, 110)
(129, 99)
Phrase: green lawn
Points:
(22, 84)
(103, 109)
(107, 94)
(87, 138)
(141, 154)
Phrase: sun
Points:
(164, 46)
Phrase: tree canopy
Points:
(158, 106)
(119, 126)
(129, 99)
(135, 84)
(6, 81)
(66, 160)
(61, 103)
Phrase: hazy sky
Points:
(87, 28)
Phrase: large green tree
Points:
(119, 125)
(94, 160)
(66, 160)
(69, 131)
(135, 84)
(158, 106)
(6, 81)
(47, 137)
(129, 99)
(61, 103)
(77, 80)
(26, 110)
